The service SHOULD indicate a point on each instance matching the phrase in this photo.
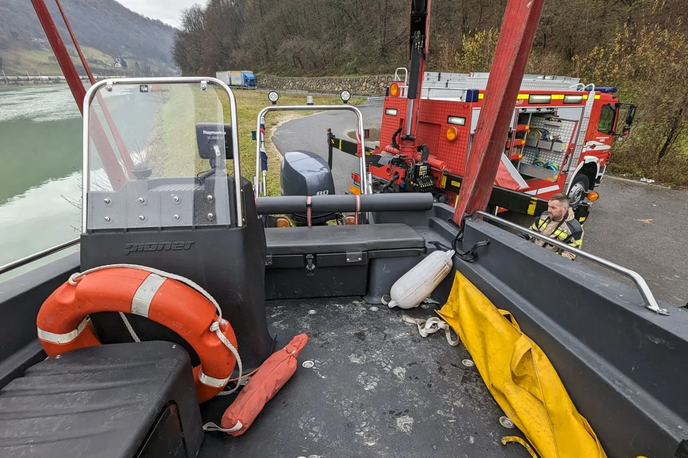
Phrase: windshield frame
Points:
(613, 108)
(203, 82)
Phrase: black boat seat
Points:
(337, 261)
(331, 239)
(111, 401)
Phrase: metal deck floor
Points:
(376, 389)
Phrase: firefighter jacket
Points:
(569, 231)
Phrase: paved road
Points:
(642, 227)
(639, 226)
(310, 134)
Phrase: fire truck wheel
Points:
(579, 187)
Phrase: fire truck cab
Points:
(560, 136)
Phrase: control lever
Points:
(425, 153)
(214, 163)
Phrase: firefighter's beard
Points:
(560, 214)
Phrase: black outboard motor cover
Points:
(304, 173)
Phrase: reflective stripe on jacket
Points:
(568, 231)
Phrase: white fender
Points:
(586, 160)
(419, 282)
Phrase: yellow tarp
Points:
(519, 375)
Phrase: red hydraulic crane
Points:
(515, 42)
(508, 67)
(419, 34)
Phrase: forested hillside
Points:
(640, 46)
(107, 30)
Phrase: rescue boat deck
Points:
(375, 388)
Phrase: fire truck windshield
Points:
(606, 122)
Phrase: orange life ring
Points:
(63, 323)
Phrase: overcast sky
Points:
(168, 11)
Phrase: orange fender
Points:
(63, 323)
(265, 383)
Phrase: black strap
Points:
(563, 220)
(546, 223)
(470, 255)
(558, 225)
(547, 220)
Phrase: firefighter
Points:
(559, 223)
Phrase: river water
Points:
(41, 153)
(40, 169)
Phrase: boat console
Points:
(186, 215)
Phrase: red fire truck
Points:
(560, 137)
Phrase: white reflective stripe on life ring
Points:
(62, 338)
(212, 381)
(140, 304)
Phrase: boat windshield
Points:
(158, 155)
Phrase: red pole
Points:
(76, 44)
(110, 162)
(126, 156)
(515, 41)
(61, 53)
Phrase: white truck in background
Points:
(241, 78)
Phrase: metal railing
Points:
(259, 139)
(639, 281)
(398, 78)
(36, 256)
